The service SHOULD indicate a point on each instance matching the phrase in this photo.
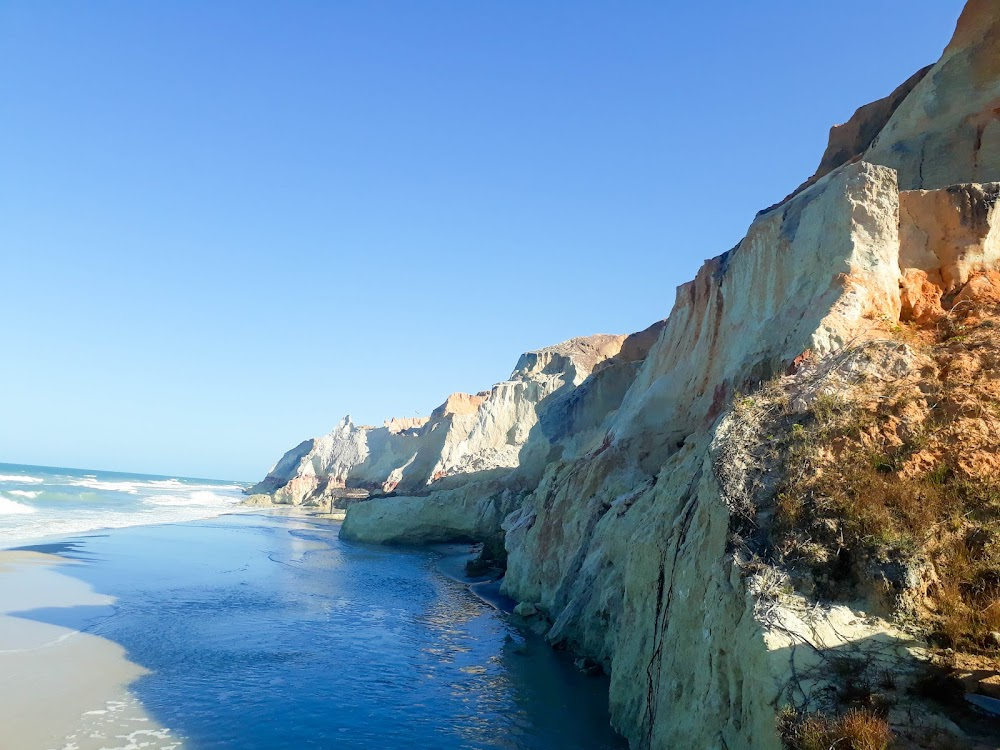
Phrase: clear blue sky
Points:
(223, 225)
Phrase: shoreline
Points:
(83, 677)
(57, 538)
(451, 561)
(451, 564)
(78, 670)
(63, 687)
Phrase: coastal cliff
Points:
(752, 512)
(490, 439)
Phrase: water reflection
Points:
(269, 633)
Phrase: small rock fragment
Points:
(525, 609)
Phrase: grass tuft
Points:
(855, 730)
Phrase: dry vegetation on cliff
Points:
(876, 480)
(892, 487)
(855, 730)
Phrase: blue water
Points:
(264, 632)
(37, 501)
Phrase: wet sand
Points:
(61, 688)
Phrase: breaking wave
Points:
(20, 479)
(135, 487)
(10, 507)
(69, 503)
(198, 497)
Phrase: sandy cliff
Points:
(469, 438)
(641, 484)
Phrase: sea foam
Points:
(20, 479)
(68, 503)
(135, 487)
(10, 507)
(198, 497)
(132, 488)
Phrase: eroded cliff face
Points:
(469, 438)
(629, 554)
(947, 129)
(632, 491)
(638, 530)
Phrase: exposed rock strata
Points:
(947, 130)
(849, 141)
(616, 468)
(467, 436)
(952, 233)
(638, 530)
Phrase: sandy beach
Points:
(62, 688)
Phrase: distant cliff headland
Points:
(774, 517)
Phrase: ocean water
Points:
(264, 632)
(37, 501)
